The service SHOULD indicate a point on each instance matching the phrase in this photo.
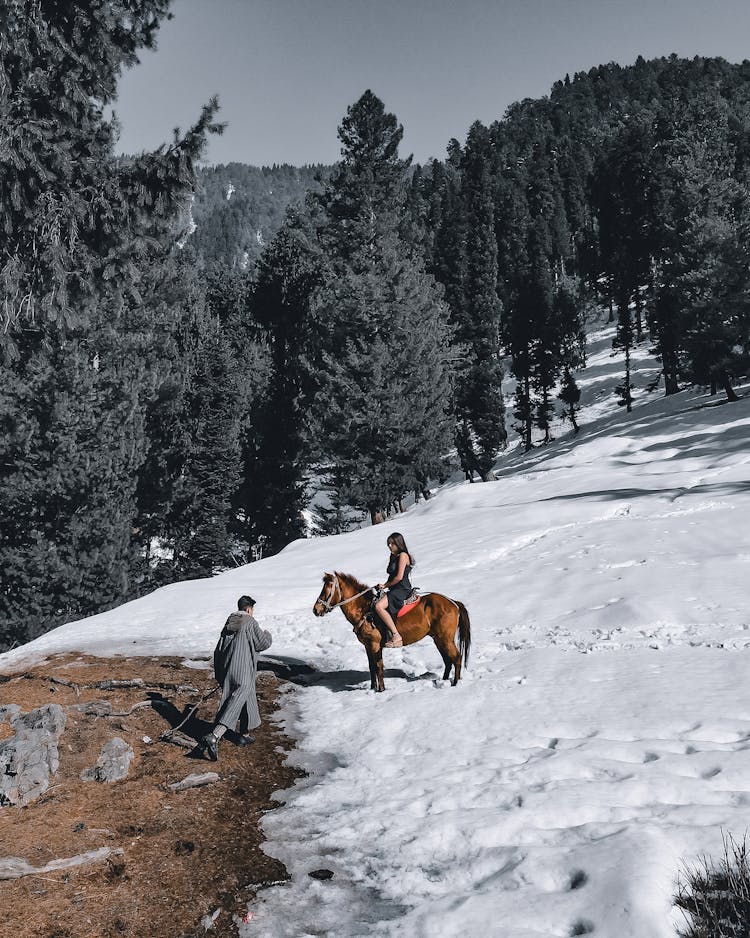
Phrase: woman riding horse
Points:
(440, 617)
(398, 585)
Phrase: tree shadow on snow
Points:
(673, 492)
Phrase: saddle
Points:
(411, 601)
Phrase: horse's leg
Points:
(443, 636)
(456, 654)
(451, 657)
(446, 661)
(380, 670)
(373, 667)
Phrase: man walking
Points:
(235, 667)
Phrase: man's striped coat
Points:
(235, 667)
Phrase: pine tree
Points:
(479, 401)
(512, 228)
(380, 327)
(711, 215)
(173, 297)
(67, 503)
(81, 232)
(414, 227)
(272, 496)
(624, 190)
(546, 346)
(202, 511)
(625, 340)
(570, 395)
(447, 221)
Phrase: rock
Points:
(28, 759)
(9, 712)
(195, 781)
(321, 874)
(113, 762)
(50, 718)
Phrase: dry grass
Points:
(715, 897)
(185, 853)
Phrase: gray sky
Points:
(286, 70)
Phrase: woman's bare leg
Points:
(382, 609)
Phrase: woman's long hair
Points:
(398, 540)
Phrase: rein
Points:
(329, 605)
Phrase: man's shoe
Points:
(245, 740)
(210, 747)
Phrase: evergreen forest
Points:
(237, 209)
(187, 350)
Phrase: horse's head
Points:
(329, 595)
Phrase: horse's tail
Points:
(464, 632)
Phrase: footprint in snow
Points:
(578, 878)
(710, 773)
(651, 757)
(582, 927)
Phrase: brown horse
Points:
(434, 615)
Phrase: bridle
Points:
(329, 605)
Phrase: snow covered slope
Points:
(601, 734)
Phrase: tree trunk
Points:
(628, 395)
(527, 427)
(729, 391)
(670, 383)
(638, 316)
(670, 363)
(376, 516)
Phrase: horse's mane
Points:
(358, 585)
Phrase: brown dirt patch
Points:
(185, 853)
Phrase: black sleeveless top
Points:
(398, 593)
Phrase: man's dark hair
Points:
(245, 602)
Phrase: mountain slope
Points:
(602, 730)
